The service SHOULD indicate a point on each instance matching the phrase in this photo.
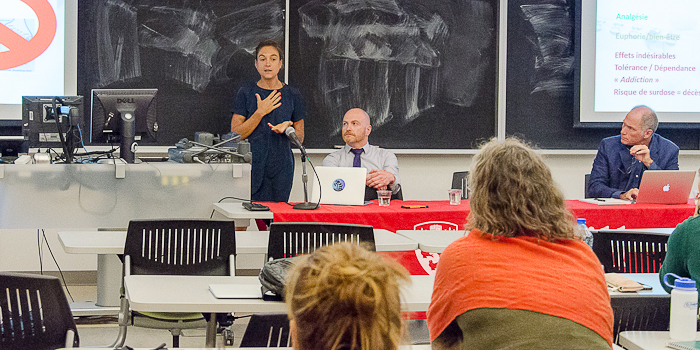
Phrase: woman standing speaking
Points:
(262, 111)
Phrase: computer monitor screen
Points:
(39, 126)
(124, 115)
(11, 147)
(110, 105)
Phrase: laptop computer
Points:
(340, 185)
(666, 186)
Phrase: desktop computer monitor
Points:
(127, 116)
(11, 147)
(53, 122)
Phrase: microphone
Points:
(292, 136)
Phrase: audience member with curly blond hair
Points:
(344, 297)
(522, 278)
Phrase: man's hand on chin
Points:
(642, 154)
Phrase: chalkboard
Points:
(541, 65)
(425, 71)
(197, 53)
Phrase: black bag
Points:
(272, 277)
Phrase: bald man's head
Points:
(356, 128)
(638, 126)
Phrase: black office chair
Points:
(36, 315)
(640, 313)
(630, 252)
(586, 181)
(267, 331)
(371, 194)
(289, 239)
(175, 247)
(460, 181)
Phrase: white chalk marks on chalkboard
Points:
(186, 42)
(553, 45)
(390, 57)
(117, 46)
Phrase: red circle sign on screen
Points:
(22, 51)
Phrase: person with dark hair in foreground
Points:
(522, 278)
(344, 297)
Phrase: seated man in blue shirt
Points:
(382, 165)
(621, 160)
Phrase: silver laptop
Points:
(340, 185)
(666, 186)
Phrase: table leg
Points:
(210, 341)
(109, 276)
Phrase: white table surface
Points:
(435, 241)
(646, 340)
(651, 279)
(247, 242)
(663, 231)
(432, 241)
(191, 294)
(236, 211)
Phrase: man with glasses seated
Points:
(622, 159)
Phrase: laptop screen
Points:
(340, 185)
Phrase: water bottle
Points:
(588, 236)
(684, 308)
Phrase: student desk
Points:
(435, 241)
(164, 293)
(107, 244)
(240, 215)
(646, 340)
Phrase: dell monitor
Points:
(53, 122)
(127, 116)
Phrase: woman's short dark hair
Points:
(272, 43)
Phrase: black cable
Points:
(318, 204)
(56, 262)
(56, 116)
(38, 243)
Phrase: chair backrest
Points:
(267, 331)
(460, 180)
(34, 313)
(630, 252)
(371, 194)
(180, 247)
(586, 181)
(640, 313)
(289, 239)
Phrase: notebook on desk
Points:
(340, 185)
(236, 291)
(666, 186)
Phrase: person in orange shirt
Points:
(522, 278)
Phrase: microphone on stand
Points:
(292, 136)
(306, 205)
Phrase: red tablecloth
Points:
(442, 215)
(391, 218)
(631, 215)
